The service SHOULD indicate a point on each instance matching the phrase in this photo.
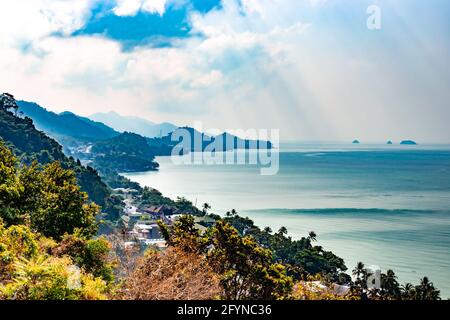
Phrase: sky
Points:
(311, 68)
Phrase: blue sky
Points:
(144, 28)
(311, 68)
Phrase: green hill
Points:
(126, 152)
(30, 144)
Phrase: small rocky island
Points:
(355, 141)
(408, 142)
(389, 142)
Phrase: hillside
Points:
(126, 152)
(30, 144)
(134, 124)
(223, 142)
(65, 123)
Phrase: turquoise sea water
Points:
(384, 205)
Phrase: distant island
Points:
(355, 141)
(389, 142)
(408, 142)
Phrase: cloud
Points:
(26, 21)
(132, 7)
(289, 64)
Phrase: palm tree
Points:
(267, 230)
(206, 207)
(389, 285)
(426, 290)
(360, 270)
(359, 286)
(408, 291)
(312, 236)
(283, 231)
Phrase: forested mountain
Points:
(126, 152)
(30, 144)
(221, 142)
(65, 123)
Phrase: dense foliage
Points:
(46, 197)
(29, 272)
(301, 256)
(245, 269)
(46, 229)
(30, 145)
(152, 197)
(126, 152)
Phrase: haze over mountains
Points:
(65, 123)
(97, 126)
(137, 125)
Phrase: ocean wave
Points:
(331, 211)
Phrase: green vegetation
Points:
(28, 272)
(245, 269)
(300, 256)
(126, 152)
(390, 288)
(47, 198)
(30, 145)
(39, 207)
(152, 197)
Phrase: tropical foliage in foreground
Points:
(46, 229)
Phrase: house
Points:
(144, 231)
(160, 212)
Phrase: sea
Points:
(385, 205)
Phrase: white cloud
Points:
(257, 66)
(25, 21)
(131, 7)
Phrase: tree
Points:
(61, 207)
(408, 291)
(183, 234)
(246, 269)
(7, 102)
(93, 255)
(426, 290)
(205, 208)
(10, 188)
(28, 272)
(312, 236)
(172, 274)
(48, 198)
(359, 286)
(390, 288)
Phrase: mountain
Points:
(222, 142)
(66, 124)
(30, 144)
(126, 152)
(134, 124)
